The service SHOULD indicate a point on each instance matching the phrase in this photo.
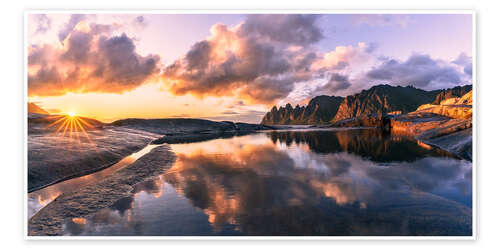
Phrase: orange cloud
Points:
(89, 60)
(254, 61)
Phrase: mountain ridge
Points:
(379, 99)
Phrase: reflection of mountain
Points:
(252, 186)
(263, 189)
(263, 192)
(373, 144)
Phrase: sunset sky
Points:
(234, 67)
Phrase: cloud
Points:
(370, 48)
(254, 60)
(90, 61)
(70, 25)
(139, 22)
(343, 56)
(419, 70)
(42, 22)
(338, 82)
(335, 83)
(465, 61)
(249, 116)
(381, 20)
(293, 29)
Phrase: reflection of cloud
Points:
(266, 188)
(248, 184)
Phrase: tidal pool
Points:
(304, 182)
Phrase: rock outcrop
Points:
(451, 93)
(455, 107)
(447, 126)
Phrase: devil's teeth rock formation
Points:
(319, 110)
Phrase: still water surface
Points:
(349, 182)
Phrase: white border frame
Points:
(255, 11)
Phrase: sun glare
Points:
(71, 125)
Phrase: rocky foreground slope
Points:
(55, 155)
(60, 147)
(380, 100)
(447, 125)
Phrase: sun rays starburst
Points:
(71, 126)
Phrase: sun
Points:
(71, 113)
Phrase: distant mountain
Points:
(380, 99)
(33, 108)
(319, 110)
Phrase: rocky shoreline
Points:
(85, 202)
(447, 125)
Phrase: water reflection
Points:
(356, 182)
(40, 198)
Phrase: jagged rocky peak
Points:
(383, 99)
(379, 99)
(319, 110)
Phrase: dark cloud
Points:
(341, 65)
(338, 82)
(381, 20)
(140, 22)
(229, 112)
(91, 61)
(419, 70)
(335, 83)
(468, 69)
(286, 28)
(465, 61)
(198, 56)
(70, 25)
(304, 63)
(371, 47)
(119, 63)
(249, 116)
(78, 51)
